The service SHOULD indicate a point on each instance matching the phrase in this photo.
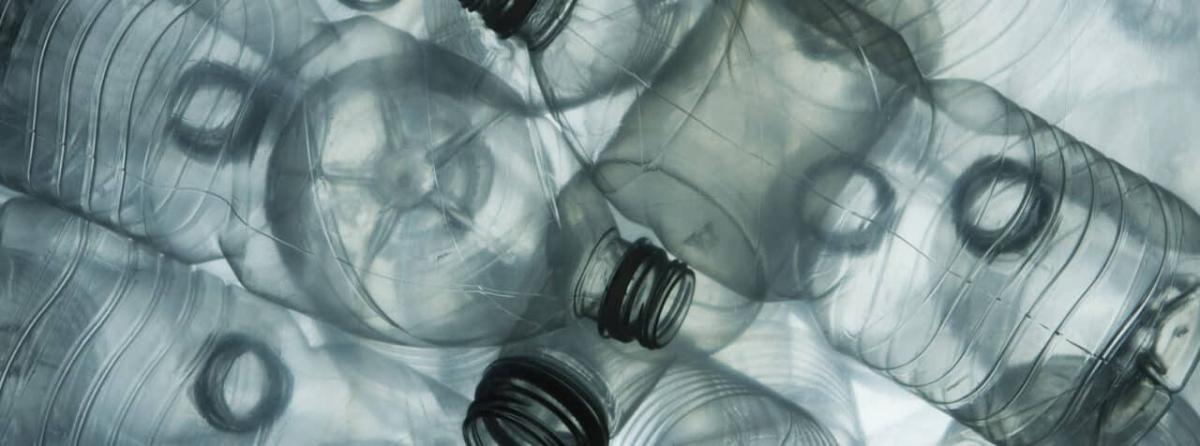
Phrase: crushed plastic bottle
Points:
(105, 341)
(343, 169)
(947, 237)
(784, 351)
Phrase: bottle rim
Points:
(515, 390)
(648, 297)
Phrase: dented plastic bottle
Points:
(106, 341)
(946, 237)
(343, 168)
(437, 215)
(700, 402)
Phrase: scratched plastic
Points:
(341, 166)
(704, 403)
(993, 264)
(105, 341)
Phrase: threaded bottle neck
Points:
(528, 400)
(634, 291)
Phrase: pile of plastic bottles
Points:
(591, 222)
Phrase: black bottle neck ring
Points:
(647, 298)
(527, 399)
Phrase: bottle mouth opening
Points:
(648, 297)
(526, 400)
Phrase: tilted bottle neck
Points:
(634, 291)
(533, 400)
(534, 21)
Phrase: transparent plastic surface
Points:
(784, 351)
(566, 387)
(702, 402)
(106, 341)
(1048, 55)
(948, 238)
(778, 383)
(342, 167)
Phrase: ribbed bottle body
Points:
(109, 342)
(700, 402)
(342, 167)
(950, 239)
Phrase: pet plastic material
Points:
(778, 383)
(567, 387)
(343, 169)
(950, 239)
(106, 341)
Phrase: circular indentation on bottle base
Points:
(847, 204)
(1000, 206)
(212, 395)
(206, 104)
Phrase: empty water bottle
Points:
(104, 341)
(778, 383)
(566, 387)
(344, 169)
(702, 402)
(947, 237)
(128, 113)
(407, 197)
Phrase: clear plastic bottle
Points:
(778, 383)
(784, 351)
(106, 341)
(947, 237)
(343, 169)
(574, 387)
(702, 402)
(566, 387)
(128, 113)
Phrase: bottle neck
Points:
(634, 291)
(536, 22)
(532, 400)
